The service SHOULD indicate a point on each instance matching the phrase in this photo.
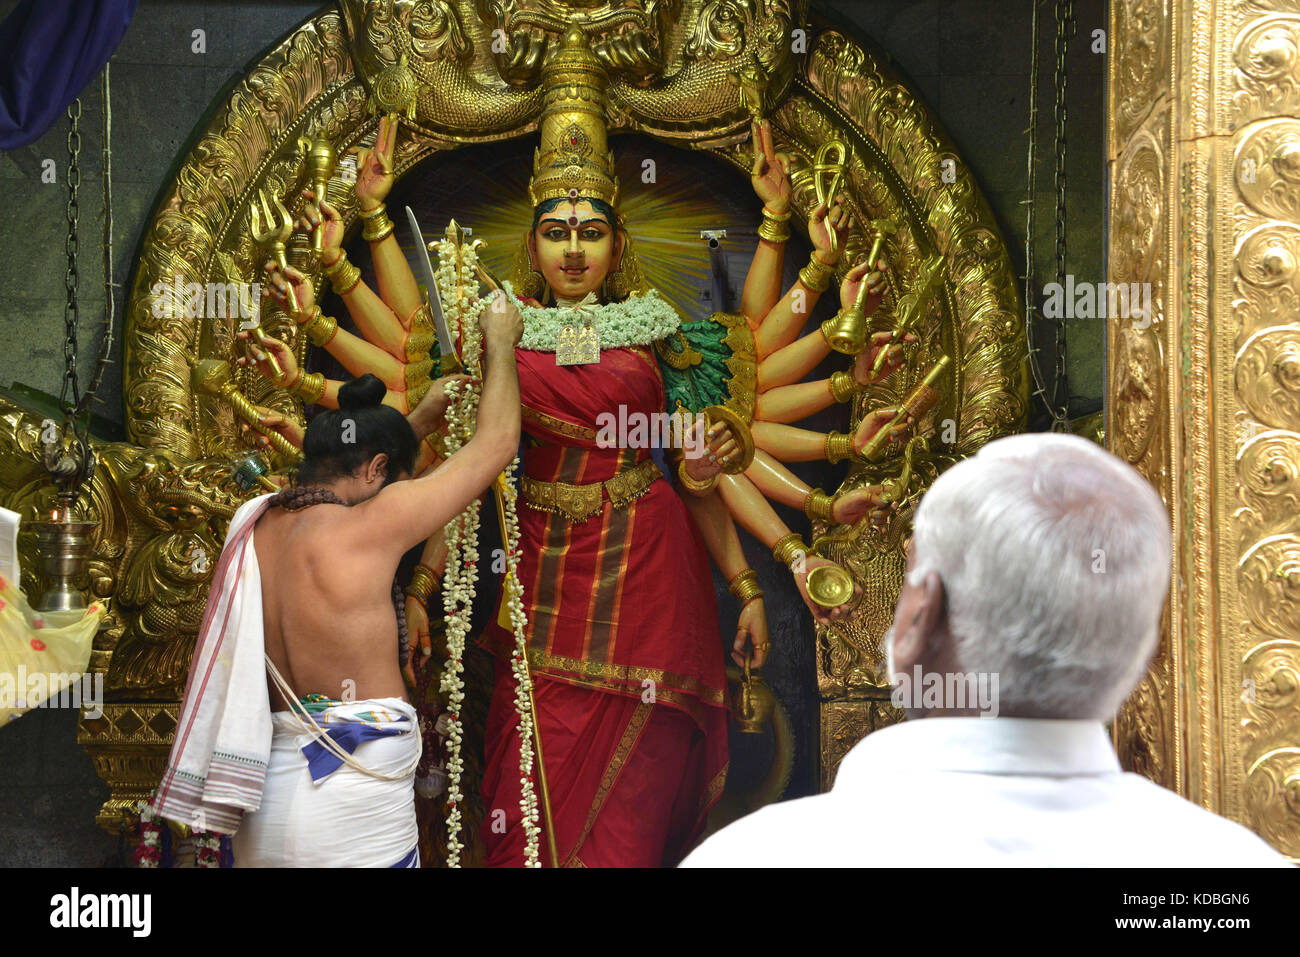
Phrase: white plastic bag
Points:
(44, 655)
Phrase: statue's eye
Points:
(592, 235)
(555, 234)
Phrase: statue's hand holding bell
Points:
(320, 217)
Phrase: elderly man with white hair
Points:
(1031, 609)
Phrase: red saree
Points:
(623, 641)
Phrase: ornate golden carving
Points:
(1208, 408)
(164, 502)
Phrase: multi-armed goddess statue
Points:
(626, 661)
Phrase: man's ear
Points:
(377, 470)
(914, 636)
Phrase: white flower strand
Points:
(461, 575)
(636, 321)
(461, 533)
(519, 667)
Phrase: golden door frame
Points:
(165, 497)
(1204, 157)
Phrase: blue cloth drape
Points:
(49, 51)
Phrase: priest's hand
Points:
(752, 629)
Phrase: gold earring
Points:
(530, 283)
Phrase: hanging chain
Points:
(1031, 205)
(1056, 397)
(110, 287)
(1059, 403)
(70, 394)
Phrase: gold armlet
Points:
(775, 227)
(379, 210)
(423, 584)
(695, 487)
(817, 505)
(321, 328)
(343, 276)
(310, 386)
(789, 549)
(745, 586)
(376, 227)
(839, 446)
(843, 386)
(816, 275)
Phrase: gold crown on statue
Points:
(573, 154)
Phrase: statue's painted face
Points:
(574, 247)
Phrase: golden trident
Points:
(270, 232)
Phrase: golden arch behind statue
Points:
(689, 80)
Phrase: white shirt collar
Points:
(1013, 746)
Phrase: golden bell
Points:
(320, 159)
(846, 331)
(830, 586)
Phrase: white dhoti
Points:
(321, 812)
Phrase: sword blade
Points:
(445, 345)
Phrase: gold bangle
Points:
(745, 586)
(310, 386)
(839, 446)
(775, 227)
(816, 275)
(789, 548)
(423, 583)
(843, 385)
(817, 505)
(372, 213)
(694, 486)
(343, 276)
(321, 328)
(376, 228)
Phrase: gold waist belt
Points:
(580, 502)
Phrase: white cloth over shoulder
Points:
(986, 792)
(223, 738)
(348, 818)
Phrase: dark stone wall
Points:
(968, 59)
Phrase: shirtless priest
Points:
(301, 602)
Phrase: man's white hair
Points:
(1054, 557)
